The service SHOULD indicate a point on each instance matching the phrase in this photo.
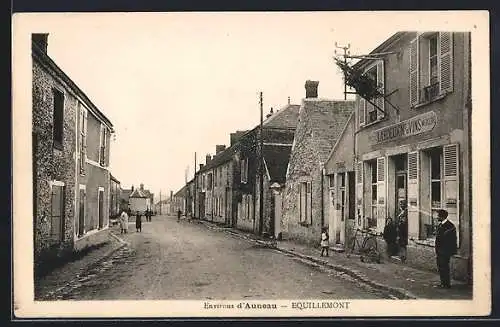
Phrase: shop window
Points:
(372, 220)
(436, 188)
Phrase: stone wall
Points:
(52, 164)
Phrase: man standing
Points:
(402, 221)
(446, 247)
(179, 212)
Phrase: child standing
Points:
(324, 241)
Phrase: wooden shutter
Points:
(309, 203)
(381, 177)
(361, 111)
(413, 194)
(445, 62)
(414, 71)
(359, 193)
(380, 101)
(451, 183)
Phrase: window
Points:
(216, 177)
(431, 66)
(305, 201)
(210, 181)
(57, 213)
(82, 142)
(436, 162)
(342, 195)
(102, 146)
(331, 181)
(373, 110)
(58, 119)
(244, 170)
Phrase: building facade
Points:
(415, 147)
(71, 180)
(321, 122)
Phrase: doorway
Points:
(81, 213)
(401, 178)
(101, 208)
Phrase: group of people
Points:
(396, 237)
(138, 220)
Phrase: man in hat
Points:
(446, 247)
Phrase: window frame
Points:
(57, 237)
(436, 152)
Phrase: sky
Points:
(174, 84)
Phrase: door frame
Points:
(100, 210)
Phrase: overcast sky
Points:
(179, 83)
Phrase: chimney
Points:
(270, 113)
(219, 148)
(171, 195)
(40, 39)
(142, 187)
(236, 136)
(208, 158)
(201, 166)
(132, 188)
(288, 100)
(311, 89)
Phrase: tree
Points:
(364, 85)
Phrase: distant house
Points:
(71, 175)
(140, 200)
(321, 122)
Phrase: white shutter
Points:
(380, 101)
(445, 62)
(361, 111)
(414, 71)
(359, 215)
(451, 184)
(413, 194)
(381, 201)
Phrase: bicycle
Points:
(367, 248)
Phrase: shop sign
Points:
(413, 126)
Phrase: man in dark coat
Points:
(446, 247)
(390, 236)
(402, 230)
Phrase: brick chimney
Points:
(208, 158)
(219, 148)
(311, 89)
(41, 40)
(201, 166)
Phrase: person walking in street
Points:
(390, 236)
(150, 213)
(179, 212)
(138, 222)
(402, 230)
(446, 247)
(123, 222)
(325, 238)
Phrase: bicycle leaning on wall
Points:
(364, 243)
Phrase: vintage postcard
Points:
(251, 164)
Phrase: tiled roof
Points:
(276, 158)
(125, 194)
(137, 193)
(220, 158)
(287, 117)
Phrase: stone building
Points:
(71, 182)
(416, 149)
(321, 121)
(277, 134)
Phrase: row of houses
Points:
(74, 192)
(346, 165)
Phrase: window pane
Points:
(374, 194)
(435, 165)
(436, 194)
(433, 45)
(374, 172)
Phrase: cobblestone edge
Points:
(398, 293)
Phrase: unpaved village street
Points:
(185, 260)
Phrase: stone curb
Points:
(399, 293)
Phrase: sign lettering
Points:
(413, 126)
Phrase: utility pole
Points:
(261, 168)
(160, 203)
(195, 188)
(346, 53)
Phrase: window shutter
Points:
(359, 193)
(361, 111)
(414, 71)
(413, 194)
(380, 101)
(309, 202)
(445, 62)
(451, 184)
(381, 213)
